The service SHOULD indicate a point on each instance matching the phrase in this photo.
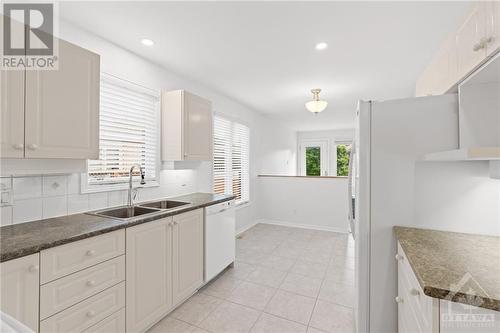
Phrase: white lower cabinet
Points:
(82, 286)
(149, 269)
(19, 280)
(112, 324)
(420, 313)
(187, 254)
(87, 313)
(164, 267)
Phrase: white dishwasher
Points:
(220, 238)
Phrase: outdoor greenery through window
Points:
(231, 163)
(313, 161)
(343, 152)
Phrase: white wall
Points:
(308, 202)
(278, 150)
(457, 196)
(126, 65)
(331, 137)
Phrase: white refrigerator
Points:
(391, 138)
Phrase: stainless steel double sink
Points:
(141, 210)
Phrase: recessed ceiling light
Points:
(321, 46)
(147, 42)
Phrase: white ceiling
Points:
(262, 53)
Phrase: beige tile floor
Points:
(285, 280)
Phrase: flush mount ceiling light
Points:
(147, 42)
(321, 46)
(316, 105)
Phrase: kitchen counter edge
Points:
(23, 239)
(429, 288)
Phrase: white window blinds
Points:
(128, 129)
(231, 159)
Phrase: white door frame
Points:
(324, 145)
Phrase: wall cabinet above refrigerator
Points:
(477, 39)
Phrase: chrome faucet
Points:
(130, 199)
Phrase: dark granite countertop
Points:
(23, 239)
(458, 267)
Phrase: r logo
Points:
(28, 29)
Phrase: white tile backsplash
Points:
(54, 206)
(117, 198)
(78, 203)
(5, 215)
(54, 185)
(46, 196)
(98, 200)
(27, 210)
(73, 183)
(27, 187)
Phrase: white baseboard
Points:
(303, 226)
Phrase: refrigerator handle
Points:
(349, 191)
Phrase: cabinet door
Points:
(148, 273)
(469, 49)
(187, 254)
(19, 290)
(197, 128)
(62, 107)
(12, 113)
(492, 26)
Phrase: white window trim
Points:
(155, 182)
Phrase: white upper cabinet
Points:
(492, 26)
(62, 107)
(12, 114)
(477, 39)
(187, 127)
(438, 77)
(52, 113)
(19, 292)
(471, 46)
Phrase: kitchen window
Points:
(231, 159)
(128, 134)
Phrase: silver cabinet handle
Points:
(483, 43)
(90, 253)
(399, 257)
(90, 283)
(477, 47)
(18, 146)
(398, 299)
(91, 313)
(33, 268)
(32, 146)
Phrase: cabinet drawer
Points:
(113, 324)
(86, 313)
(60, 294)
(66, 259)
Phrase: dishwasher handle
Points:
(220, 208)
